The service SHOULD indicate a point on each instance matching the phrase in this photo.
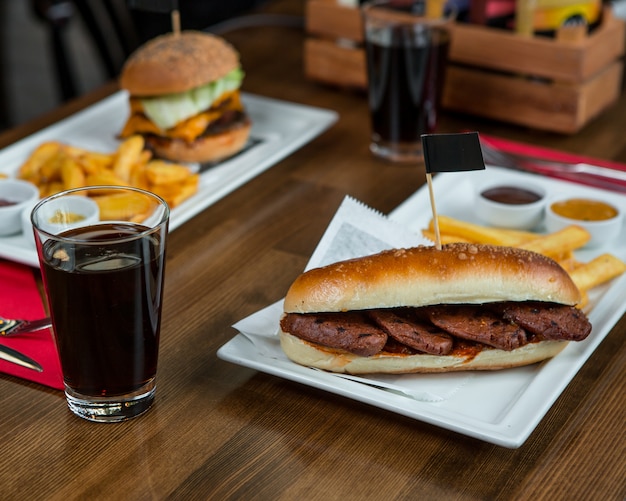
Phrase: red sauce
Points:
(466, 349)
(462, 348)
(6, 203)
(511, 195)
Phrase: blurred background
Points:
(27, 69)
(33, 33)
(41, 40)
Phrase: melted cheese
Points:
(187, 130)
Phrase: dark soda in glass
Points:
(105, 301)
(406, 69)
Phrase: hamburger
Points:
(184, 97)
(463, 307)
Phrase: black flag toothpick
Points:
(449, 153)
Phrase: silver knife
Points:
(9, 328)
(15, 357)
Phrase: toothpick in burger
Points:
(185, 98)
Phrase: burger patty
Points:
(349, 331)
(437, 330)
(552, 322)
(478, 324)
(413, 332)
(227, 121)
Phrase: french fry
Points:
(50, 171)
(128, 154)
(55, 166)
(42, 155)
(47, 189)
(597, 271)
(477, 233)
(72, 175)
(555, 244)
(138, 177)
(445, 239)
(145, 157)
(183, 192)
(122, 207)
(92, 162)
(97, 156)
(166, 191)
(159, 172)
(104, 177)
(568, 261)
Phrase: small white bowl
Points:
(62, 214)
(602, 231)
(20, 194)
(519, 216)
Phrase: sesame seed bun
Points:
(422, 276)
(174, 63)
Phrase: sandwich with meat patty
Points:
(462, 307)
(184, 97)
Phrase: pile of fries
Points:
(559, 245)
(55, 167)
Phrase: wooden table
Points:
(221, 431)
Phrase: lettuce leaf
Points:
(166, 111)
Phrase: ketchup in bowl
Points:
(505, 205)
(511, 195)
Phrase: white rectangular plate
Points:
(501, 407)
(278, 129)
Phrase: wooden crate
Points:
(557, 84)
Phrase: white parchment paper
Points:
(356, 230)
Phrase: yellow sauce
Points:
(583, 209)
(61, 217)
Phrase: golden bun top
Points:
(174, 63)
(423, 276)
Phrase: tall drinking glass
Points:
(104, 286)
(406, 44)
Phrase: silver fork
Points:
(594, 174)
(13, 327)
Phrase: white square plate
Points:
(500, 407)
(278, 129)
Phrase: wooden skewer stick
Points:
(176, 22)
(429, 180)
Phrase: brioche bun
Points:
(425, 276)
(174, 63)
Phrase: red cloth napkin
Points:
(20, 298)
(538, 152)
